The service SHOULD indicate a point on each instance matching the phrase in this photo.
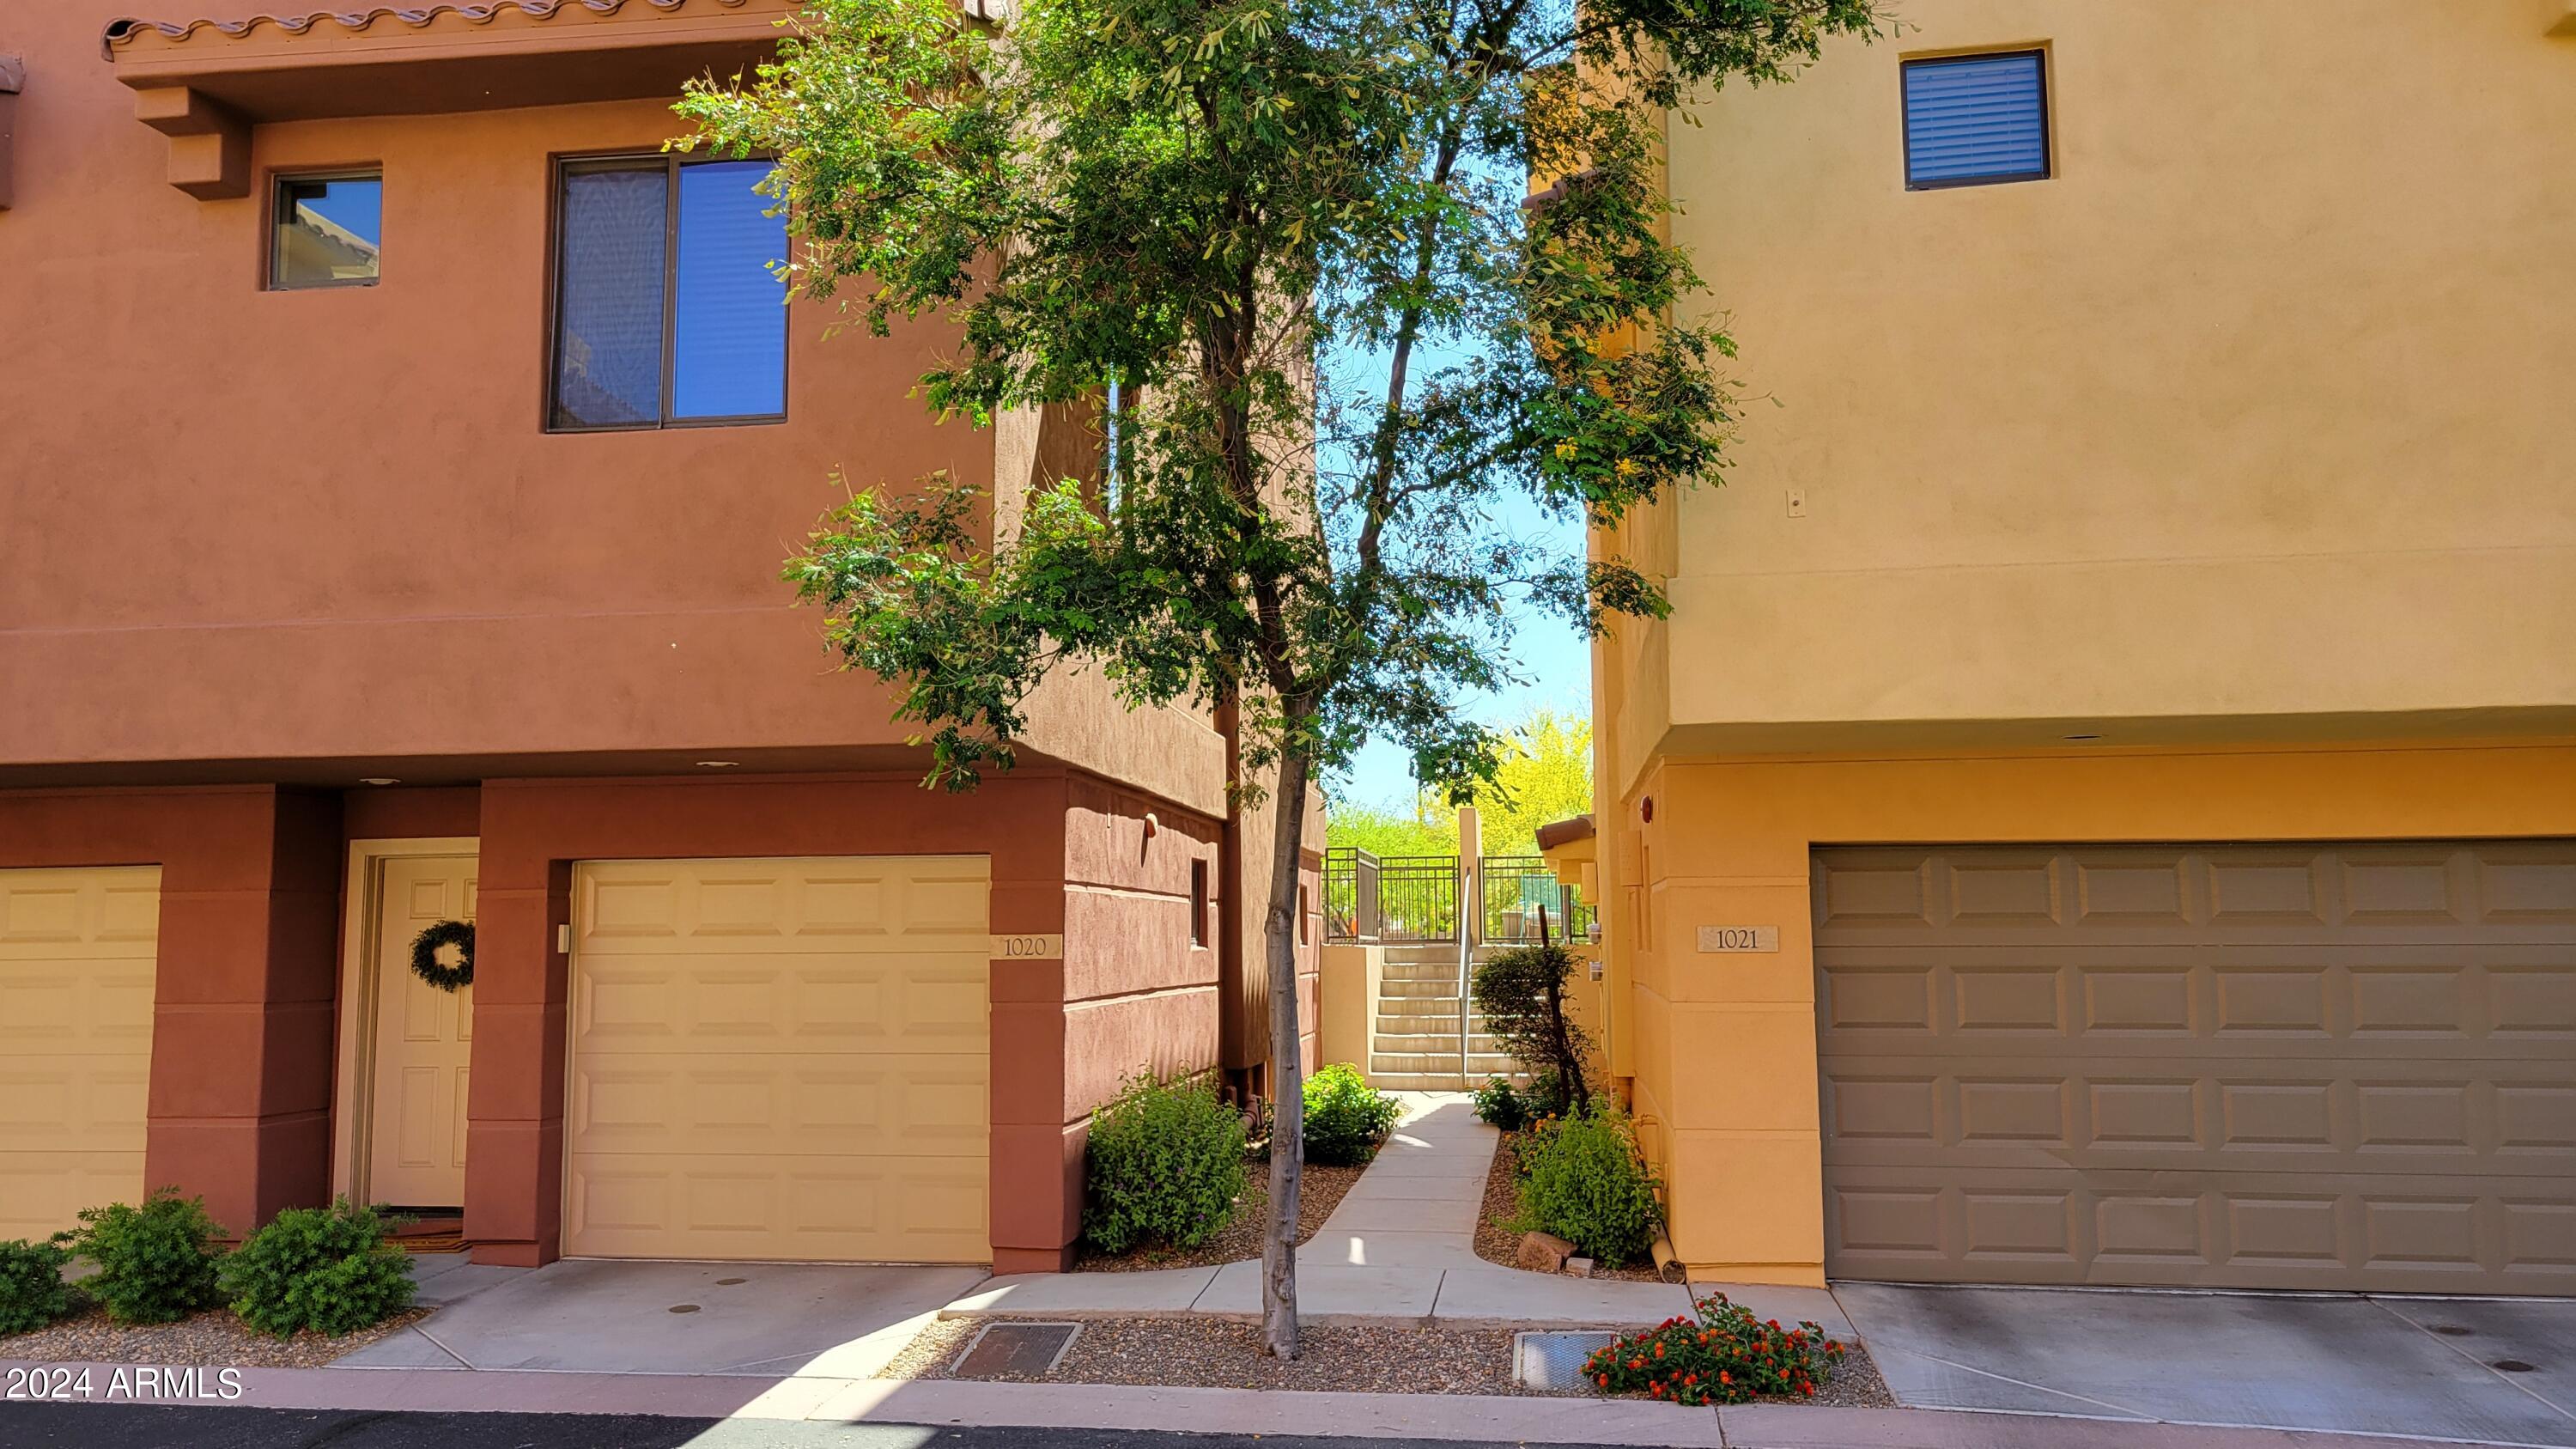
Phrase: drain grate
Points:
(1553, 1360)
(1016, 1350)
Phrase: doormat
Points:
(1016, 1350)
(436, 1243)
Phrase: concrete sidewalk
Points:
(1429, 1417)
(1400, 1248)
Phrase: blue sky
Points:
(356, 206)
(1550, 653)
(1547, 651)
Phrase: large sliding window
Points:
(665, 312)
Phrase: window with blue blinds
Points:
(1975, 119)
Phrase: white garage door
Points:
(77, 951)
(780, 1059)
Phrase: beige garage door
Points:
(780, 1059)
(2251, 1066)
(77, 951)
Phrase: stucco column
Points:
(514, 1129)
(242, 1012)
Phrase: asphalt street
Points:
(132, 1426)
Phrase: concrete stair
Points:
(1414, 1046)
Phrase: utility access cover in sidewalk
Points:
(1016, 1350)
(1554, 1360)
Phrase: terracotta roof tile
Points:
(120, 32)
(1564, 832)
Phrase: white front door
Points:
(424, 1039)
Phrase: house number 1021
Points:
(1727, 940)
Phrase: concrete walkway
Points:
(808, 1397)
(1416, 1206)
(1399, 1249)
(589, 1315)
(2473, 1368)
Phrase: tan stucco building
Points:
(398, 452)
(2103, 807)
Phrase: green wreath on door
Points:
(424, 955)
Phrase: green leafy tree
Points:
(1542, 773)
(1383, 832)
(1261, 222)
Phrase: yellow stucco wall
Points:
(1725, 1047)
(2241, 442)
(2251, 422)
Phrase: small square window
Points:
(325, 231)
(1974, 120)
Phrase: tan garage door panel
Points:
(77, 954)
(2274, 1066)
(780, 1059)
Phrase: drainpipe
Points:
(1233, 1036)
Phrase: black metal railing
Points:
(1350, 894)
(1513, 890)
(1417, 898)
(1403, 898)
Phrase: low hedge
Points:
(331, 1270)
(1345, 1118)
(1165, 1166)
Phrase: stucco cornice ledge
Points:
(443, 57)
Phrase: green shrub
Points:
(1499, 1104)
(1520, 992)
(1582, 1179)
(1166, 1166)
(1346, 1118)
(327, 1269)
(154, 1265)
(1720, 1356)
(31, 1285)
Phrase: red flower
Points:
(1724, 1377)
(1659, 1350)
(1603, 1380)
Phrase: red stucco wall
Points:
(242, 1016)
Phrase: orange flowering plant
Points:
(1720, 1355)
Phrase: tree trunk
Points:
(1287, 1068)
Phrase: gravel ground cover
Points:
(1319, 1191)
(1497, 1244)
(1855, 1384)
(1224, 1354)
(213, 1338)
(1218, 1353)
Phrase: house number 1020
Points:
(1027, 948)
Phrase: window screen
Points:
(665, 309)
(1974, 119)
(608, 346)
